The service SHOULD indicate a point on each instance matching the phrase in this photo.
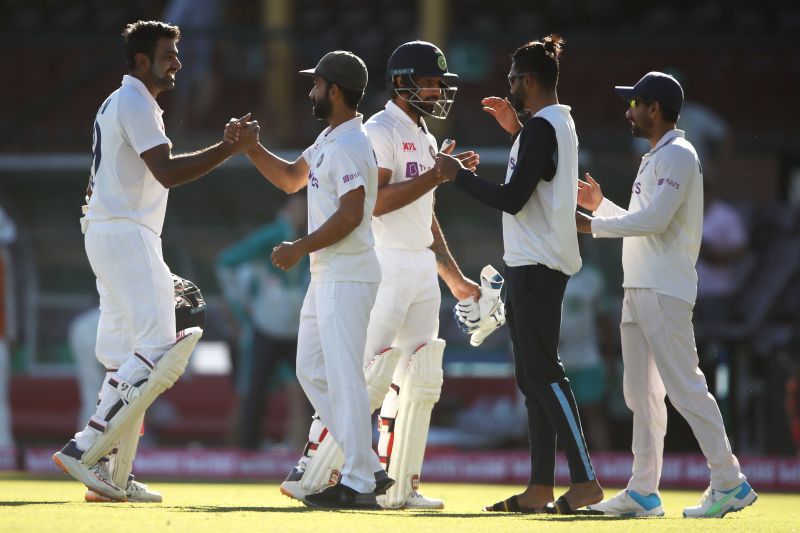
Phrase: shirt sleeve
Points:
(536, 161)
(346, 173)
(673, 174)
(140, 125)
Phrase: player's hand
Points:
(233, 127)
(589, 193)
(446, 167)
(469, 160)
(248, 135)
(583, 222)
(466, 288)
(286, 255)
(503, 112)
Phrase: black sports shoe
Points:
(341, 496)
(382, 483)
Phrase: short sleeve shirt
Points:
(342, 160)
(127, 124)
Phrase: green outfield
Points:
(56, 505)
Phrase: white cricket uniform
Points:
(406, 312)
(122, 235)
(335, 313)
(661, 232)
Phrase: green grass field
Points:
(56, 505)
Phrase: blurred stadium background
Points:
(738, 62)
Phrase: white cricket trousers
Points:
(406, 312)
(660, 357)
(330, 368)
(137, 309)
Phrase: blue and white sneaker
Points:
(718, 503)
(630, 504)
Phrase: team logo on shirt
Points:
(319, 161)
(409, 147)
(412, 169)
(432, 152)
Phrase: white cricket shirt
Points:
(544, 231)
(408, 150)
(127, 124)
(663, 224)
(339, 161)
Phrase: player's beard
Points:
(165, 82)
(518, 101)
(639, 130)
(322, 108)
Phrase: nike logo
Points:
(717, 507)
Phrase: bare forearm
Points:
(393, 196)
(336, 228)
(185, 168)
(445, 264)
(277, 171)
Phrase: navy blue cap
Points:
(655, 87)
(342, 68)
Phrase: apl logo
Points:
(412, 169)
(409, 147)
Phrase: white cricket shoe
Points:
(414, 501)
(630, 504)
(291, 485)
(137, 493)
(95, 477)
(418, 501)
(718, 503)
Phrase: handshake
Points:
(242, 133)
(480, 319)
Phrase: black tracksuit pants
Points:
(533, 314)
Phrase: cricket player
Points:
(538, 201)
(661, 232)
(341, 174)
(404, 324)
(132, 170)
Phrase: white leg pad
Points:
(378, 373)
(419, 392)
(121, 463)
(324, 466)
(165, 373)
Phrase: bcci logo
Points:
(440, 60)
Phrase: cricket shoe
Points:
(630, 504)
(414, 501)
(341, 496)
(95, 477)
(718, 503)
(137, 493)
(291, 485)
(292, 488)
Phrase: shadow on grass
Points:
(426, 514)
(20, 503)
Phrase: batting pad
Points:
(324, 466)
(419, 392)
(121, 463)
(163, 376)
(378, 374)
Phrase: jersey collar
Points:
(667, 138)
(137, 84)
(395, 111)
(344, 127)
